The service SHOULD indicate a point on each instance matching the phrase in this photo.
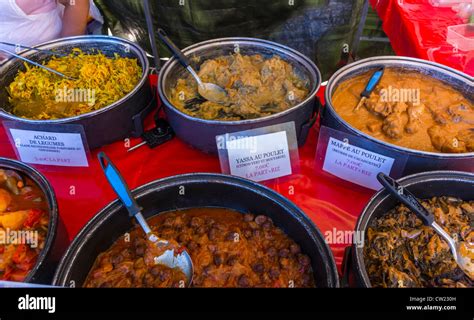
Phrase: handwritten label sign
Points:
(49, 148)
(260, 154)
(271, 158)
(355, 164)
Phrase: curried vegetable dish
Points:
(410, 110)
(24, 222)
(256, 87)
(228, 249)
(401, 252)
(99, 81)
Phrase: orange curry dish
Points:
(410, 110)
(228, 249)
(24, 223)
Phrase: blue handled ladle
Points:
(182, 260)
(373, 82)
(461, 250)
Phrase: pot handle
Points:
(307, 125)
(139, 118)
(346, 267)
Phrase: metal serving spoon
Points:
(208, 91)
(169, 258)
(461, 250)
(36, 64)
(52, 53)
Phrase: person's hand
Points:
(75, 17)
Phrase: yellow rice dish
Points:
(98, 82)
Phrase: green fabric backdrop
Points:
(321, 29)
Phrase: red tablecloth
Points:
(81, 193)
(417, 29)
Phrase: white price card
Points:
(355, 159)
(355, 164)
(260, 154)
(68, 149)
(271, 159)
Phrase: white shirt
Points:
(19, 28)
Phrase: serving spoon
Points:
(39, 65)
(49, 52)
(462, 251)
(208, 91)
(169, 257)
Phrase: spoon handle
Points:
(53, 53)
(118, 184)
(36, 64)
(406, 197)
(174, 49)
(373, 82)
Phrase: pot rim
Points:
(110, 209)
(50, 196)
(377, 61)
(244, 40)
(142, 57)
(382, 195)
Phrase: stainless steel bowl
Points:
(417, 161)
(202, 133)
(114, 122)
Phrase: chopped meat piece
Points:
(446, 141)
(414, 112)
(393, 126)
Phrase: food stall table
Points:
(82, 192)
(334, 207)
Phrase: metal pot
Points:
(202, 133)
(424, 185)
(417, 161)
(200, 190)
(42, 272)
(114, 122)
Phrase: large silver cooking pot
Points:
(117, 121)
(202, 133)
(417, 161)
